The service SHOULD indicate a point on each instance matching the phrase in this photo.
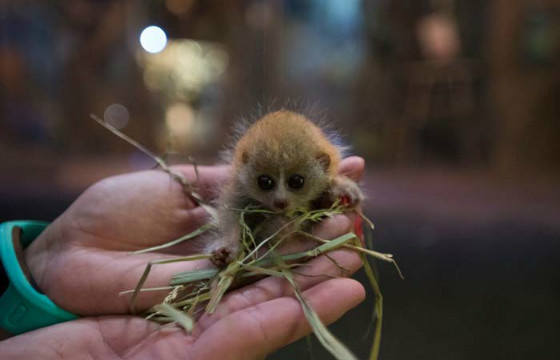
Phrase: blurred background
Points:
(453, 103)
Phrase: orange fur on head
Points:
(282, 163)
(287, 136)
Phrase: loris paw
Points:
(346, 191)
(223, 256)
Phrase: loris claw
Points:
(282, 162)
(222, 256)
(346, 191)
(226, 247)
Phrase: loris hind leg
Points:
(226, 246)
(346, 191)
(224, 249)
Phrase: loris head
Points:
(284, 161)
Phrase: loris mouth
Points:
(280, 205)
(274, 207)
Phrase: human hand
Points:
(81, 260)
(249, 323)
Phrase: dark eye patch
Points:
(296, 181)
(265, 182)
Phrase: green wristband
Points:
(22, 308)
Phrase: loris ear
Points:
(324, 159)
(245, 157)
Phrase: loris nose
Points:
(280, 204)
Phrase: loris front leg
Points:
(343, 189)
(347, 191)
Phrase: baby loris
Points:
(283, 162)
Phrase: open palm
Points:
(81, 261)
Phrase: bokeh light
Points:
(179, 119)
(116, 115)
(153, 39)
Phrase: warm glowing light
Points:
(184, 68)
(178, 7)
(153, 39)
(116, 115)
(179, 119)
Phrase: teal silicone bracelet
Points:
(22, 308)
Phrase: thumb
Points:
(352, 167)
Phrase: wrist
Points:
(23, 307)
(37, 257)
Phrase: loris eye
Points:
(265, 182)
(296, 181)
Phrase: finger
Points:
(256, 331)
(353, 167)
(151, 200)
(248, 334)
(333, 227)
(190, 221)
(106, 338)
(209, 179)
(329, 228)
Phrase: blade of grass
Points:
(263, 271)
(298, 220)
(378, 307)
(365, 218)
(132, 301)
(328, 246)
(309, 343)
(375, 254)
(326, 338)
(189, 236)
(223, 284)
(187, 188)
(147, 289)
(144, 277)
(181, 318)
(268, 239)
(195, 299)
(225, 279)
(191, 276)
(129, 140)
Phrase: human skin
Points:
(81, 262)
